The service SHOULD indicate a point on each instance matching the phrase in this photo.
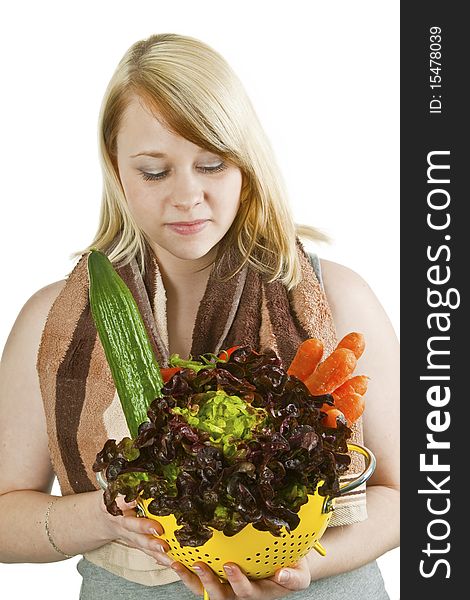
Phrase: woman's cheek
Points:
(144, 208)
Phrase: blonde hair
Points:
(200, 98)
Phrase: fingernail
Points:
(160, 548)
(153, 531)
(283, 576)
(166, 561)
(198, 570)
(228, 569)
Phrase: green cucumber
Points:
(125, 341)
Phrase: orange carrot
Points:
(355, 385)
(353, 341)
(305, 361)
(332, 372)
(352, 406)
(330, 419)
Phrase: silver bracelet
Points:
(49, 537)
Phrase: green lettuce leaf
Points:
(226, 418)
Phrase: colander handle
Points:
(101, 479)
(365, 475)
(360, 479)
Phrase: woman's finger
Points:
(214, 587)
(153, 547)
(141, 525)
(190, 580)
(123, 505)
(294, 578)
(160, 558)
(239, 582)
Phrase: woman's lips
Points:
(188, 228)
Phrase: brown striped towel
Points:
(81, 405)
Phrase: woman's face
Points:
(184, 198)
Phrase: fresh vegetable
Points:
(233, 443)
(332, 372)
(194, 365)
(306, 359)
(226, 354)
(349, 399)
(351, 405)
(332, 417)
(125, 341)
(354, 385)
(168, 373)
(228, 419)
(353, 341)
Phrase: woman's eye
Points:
(214, 169)
(158, 176)
(153, 176)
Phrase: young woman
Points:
(195, 217)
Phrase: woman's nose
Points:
(186, 192)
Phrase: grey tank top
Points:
(315, 261)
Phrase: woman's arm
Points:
(79, 522)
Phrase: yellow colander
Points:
(259, 553)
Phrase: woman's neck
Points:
(178, 273)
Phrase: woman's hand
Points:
(285, 581)
(137, 532)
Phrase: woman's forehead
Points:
(137, 118)
(144, 132)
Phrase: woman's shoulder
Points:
(340, 277)
(30, 321)
(42, 300)
(353, 303)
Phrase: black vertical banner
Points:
(435, 330)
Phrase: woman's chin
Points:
(186, 249)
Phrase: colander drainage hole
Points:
(276, 543)
(248, 558)
(258, 554)
(258, 560)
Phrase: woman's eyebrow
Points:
(156, 154)
(153, 153)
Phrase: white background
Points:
(324, 79)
